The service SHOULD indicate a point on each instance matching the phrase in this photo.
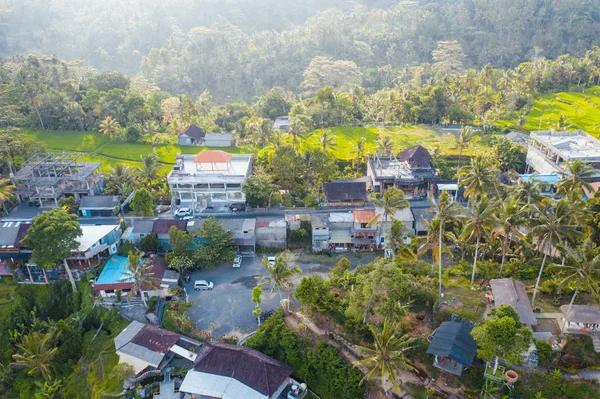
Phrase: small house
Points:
(320, 233)
(191, 136)
(453, 347)
(101, 205)
(218, 139)
(507, 291)
(281, 123)
(162, 226)
(364, 234)
(139, 229)
(345, 192)
(581, 319)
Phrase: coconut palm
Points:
(527, 191)
(480, 219)
(561, 124)
(391, 202)
(510, 217)
(385, 144)
(327, 140)
(6, 189)
(553, 226)
(261, 129)
(110, 127)
(583, 266)
(359, 153)
(395, 241)
(35, 353)
(297, 131)
(446, 210)
(120, 179)
(281, 273)
(466, 137)
(389, 357)
(430, 242)
(139, 273)
(574, 178)
(149, 169)
(480, 177)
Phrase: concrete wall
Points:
(272, 237)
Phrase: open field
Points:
(581, 110)
(97, 147)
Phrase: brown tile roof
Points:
(416, 155)
(194, 132)
(251, 368)
(159, 266)
(508, 291)
(341, 190)
(162, 226)
(213, 156)
(155, 339)
(364, 215)
(23, 227)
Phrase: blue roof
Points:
(115, 271)
(547, 179)
(453, 340)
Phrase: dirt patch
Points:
(248, 281)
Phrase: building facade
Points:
(210, 178)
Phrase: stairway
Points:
(596, 342)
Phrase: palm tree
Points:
(35, 352)
(552, 227)
(385, 144)
(261, 129)
(527, 191)
(149, 169)
(276, 141)
(297, 131)
(151, 127)
(139, 273)
(583, 266)
(119, 180)
(395, 241)
(511, 216)
(6, 189)
(574, 178)
(391, 202)
(389, 357)
(466, 137)
(446, 210)
(561, 124)
(281, 273)
(327, 141)
(110, 127)
(479, 177)
(480, 218)
(429, 242)
(360, 155)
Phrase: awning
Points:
(340, 237)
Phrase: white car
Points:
(271, 260)
(203, 285)
(237, 261)
(183, 212)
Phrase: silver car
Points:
(203, 285)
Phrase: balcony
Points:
(541, 162)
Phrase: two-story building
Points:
(210, 178)
(46, 178)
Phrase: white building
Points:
(210, 178)
(548, 151)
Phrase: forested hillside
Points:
(241, 49)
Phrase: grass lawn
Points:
(581, 110)
(68, 141)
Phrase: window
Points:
(202, 186)
(234, 196)
(217, 185)
(219, 196)
(234, 185)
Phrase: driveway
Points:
(228, 308)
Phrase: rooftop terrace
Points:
(570, 145)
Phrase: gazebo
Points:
(453, 347)
(581, 318)
(215, 158)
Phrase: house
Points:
(138, 230)
(170, 280)
(100, 205)
(244, 234)
(281, 123)
(340, 231)
(453, 347)
(147, 347)
(9, 232)
(507, 291)
(518, 138)
(236, 372)
(46, 178)
(218, 139)
(320, 233)
(161, 228)
(346, 192)
(403, 215)
(210, 178)
(271, 232)
(549, 151)
(411, 171)
(192, 135)
(96, 240)
(364, 234)
(421, 216)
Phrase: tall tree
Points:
(359, 153)
(583, 266)
(389, 357)
(391, 202)
(327, 141)
(395, 241)
(465, 138)
(510, 217)
(110, 127)
(446, 210)
(35, 352)
(139, 272)
(141, 203)
(149, 169)
(6, 189)
(575, 178)
(479, 219)
(480, 177)
(53, 236)
(430, 242)
(298, 129)
(553, 227)
(281, 273)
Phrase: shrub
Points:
(150, 243)
(125, 248)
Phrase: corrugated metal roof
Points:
(128, 333)
(341, 237)
(216, 386)
(453, 340)
(582, 314)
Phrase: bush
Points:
(544, 352)
(125, 248)
(151, 244)
(488, 270)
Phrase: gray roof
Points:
(170, 275)
(127, 334)
(99, 202)
(582, 314)
(517, 137)
(139, 352)
(421, 215)
(143, 226)
(508, 291)
(453, 340)
(8, 234)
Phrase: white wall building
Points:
(210, 178)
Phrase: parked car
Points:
(183, 212)
(238, 207)
(271, 260)
(203, 285)
(237, 261)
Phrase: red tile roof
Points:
(159, 265)
(213, 156)
(364, 215)
(162, 226)
(250, 367)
